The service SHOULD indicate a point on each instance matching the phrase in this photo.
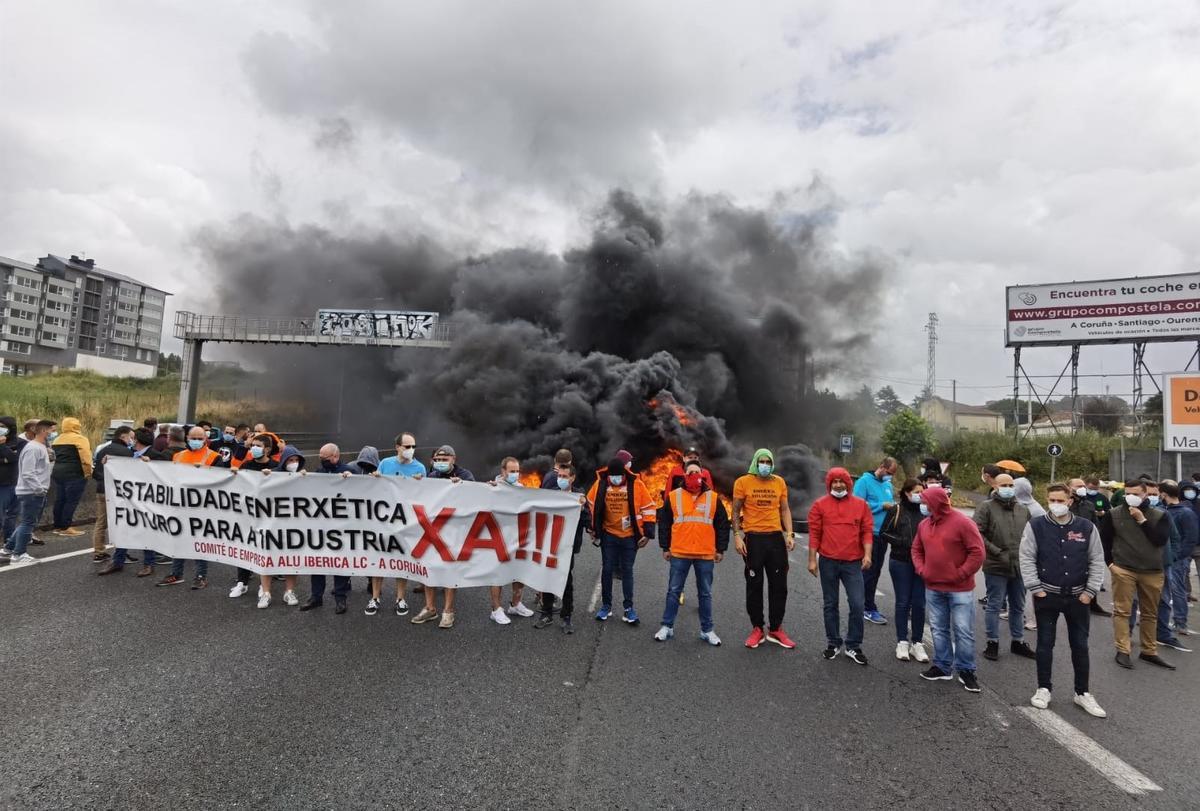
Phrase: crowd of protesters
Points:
(1144, 533)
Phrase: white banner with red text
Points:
(436, 532)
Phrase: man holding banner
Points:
(200, 455)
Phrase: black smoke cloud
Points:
(693, 323)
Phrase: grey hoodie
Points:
(367, 461)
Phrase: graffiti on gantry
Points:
(388, 324)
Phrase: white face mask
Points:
(924, 509)
(1081, 492)
(838, 493)
(915, 498)
(1058, 510)
(1133, 501)
(407, 454)
(3, 432)
(293, 467)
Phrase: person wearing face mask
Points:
(1136, 533)
(292, 461)
(1173, 615)
(1083, 505)
(1062, 562)
(623, 517)
(1155, 499)
(565, 482)
(762, 535)
(562, 458)
(257, 460)
(841, 538)
(947, 552)
(933, 475)
(227, 447)
(875, 488)
(445, 466)
(1099, 500)
(72, 469)
(142, 447)
(33, 483)
(198, 454)
(678, 473)
(899, 529)
(1001, 521)
(12, 442)
(1190, 491)
(121, 446)
(693, 532)
(509, 476)
(405, 463)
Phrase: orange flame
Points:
(656, 476)
(682, 414)
(531, 479)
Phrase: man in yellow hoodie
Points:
(72, 469)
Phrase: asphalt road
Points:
(123, 695)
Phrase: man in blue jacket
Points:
(875, 488)
(1188, 525)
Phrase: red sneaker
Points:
(780, 638)
(755, 639)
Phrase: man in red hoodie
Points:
(947, 553)
(841, 533)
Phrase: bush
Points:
(907, 437)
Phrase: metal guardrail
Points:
(252, 329)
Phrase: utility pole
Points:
(954, 408)
(931, 357)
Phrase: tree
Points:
(1152, 409)
(1103, 414)
(862, 405)
(887, 402)
(169, 364)
(907, 437)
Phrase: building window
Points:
(18, 348)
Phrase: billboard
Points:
(1114, 311)
(1181, 411)
(390, 324)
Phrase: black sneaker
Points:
(830, 652)
(401, 608)
(967, 679)
(1155, 659)
(857, 656)
(1123, 660)
(1021, 648)
(544, 621)
(567, 627)
(1174, 644)
(991, 651)
(935, 673)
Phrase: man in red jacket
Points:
(841, 534)
(947, 553)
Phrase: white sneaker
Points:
(290, 598)
(239, 588)
(1090, 706)
(519, 610)
(5, 553)
(1041, 699)
(260, 592)
(264, 600)
(902, 651)
(917, 649)
(711, 638)
(664, 633)
(500, 618)
(23, 560)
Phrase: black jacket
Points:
(10, 452)
(899, 529)
(111, 449)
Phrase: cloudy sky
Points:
(976, 144)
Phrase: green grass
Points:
(95, 400)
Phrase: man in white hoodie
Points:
(33, 483)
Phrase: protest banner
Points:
(433, 531)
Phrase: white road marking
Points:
(10, 567)
(595, 598)
(1115, 770)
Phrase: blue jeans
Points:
(8, 513)
(616, 552)
(910, 600)
(177, 567)
(704, 577)
(1177, 577)
(879, 548)
(30, 509)
(69, 493)
(952, 620)
(998, 588)
(849, 574)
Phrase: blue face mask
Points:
(616, 481)
(1092, 492)
(512, 478)
(227, 437)
(53, 435)
(564, 484)
(129, 443)
(195, 444)
(924, 509)
(765, 468)
(887, 477)
(1153, 500)
(441, 467)
(256, 451)
(3, 432)
(1190, 495)
(1005, 492)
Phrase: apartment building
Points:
(71, 314)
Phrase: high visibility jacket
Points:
(694, 527)
(204, 456)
